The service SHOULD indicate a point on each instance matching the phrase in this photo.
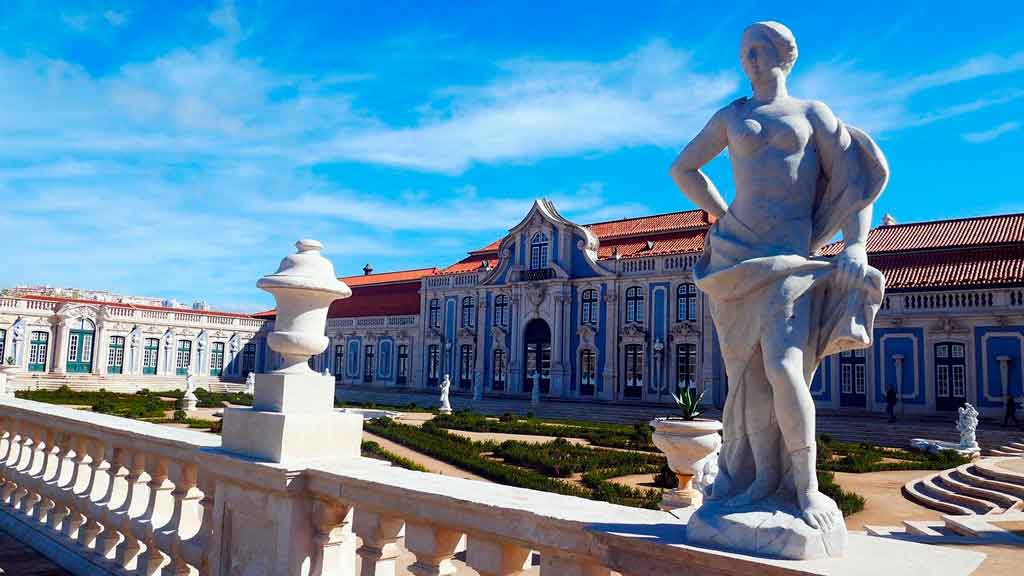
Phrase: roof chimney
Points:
(367, 270)
(888, 220)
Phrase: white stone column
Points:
(99, 348)
(60, 347)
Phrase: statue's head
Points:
(767, 48)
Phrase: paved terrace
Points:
(859, 427)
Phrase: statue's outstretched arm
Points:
(686, 173)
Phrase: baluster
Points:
(207, 484)
(51, 467)
(128, 551)
(76, 485)
(56, 486)
(186, 518)
(21, 468)
(493, 558)
(117, 492)
(99, 478)
(11, 458)
(335, 545)
(434, 548)
(556, 564)
(157, 510)
(378, 556)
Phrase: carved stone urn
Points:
(686, 444)
(304, 287)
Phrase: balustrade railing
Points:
(129, 497)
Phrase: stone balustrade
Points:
(101, 494)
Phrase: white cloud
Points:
(992, 133)
(881, 104)
(115, 18)
(538, 109)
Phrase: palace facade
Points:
(47, 340)
(608, 312)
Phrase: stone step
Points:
(968, 473)
(989, 469)
(883, 531)
(913, 491)
(934, 488)
(924, 527)
(998, 499)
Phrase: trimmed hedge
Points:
(206, 399)
(127, 405)
(635, 437)
(372, 449)
(849, 502)
(562, 459)
(863, 457)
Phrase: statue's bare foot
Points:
(819, 511)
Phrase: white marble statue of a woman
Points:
(801, 177)
(446, 386)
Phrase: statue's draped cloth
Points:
(749, 287)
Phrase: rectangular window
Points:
(38, 351)
(149, 355)
(368, 363)
(686, 367)
(634, 371)
(87, 347)
(942, 380)
(588, 372)
(433, 363)
(435, 313)
(499, 370)
(403, 363)
(3, 345)
(249, 358)
(115, 355)
(216, 358)
(858, 379)
(339, 355)
(959, 386)
(184, 357)
(466, 366)
(846, 379)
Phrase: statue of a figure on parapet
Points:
(801, 177)
(250, 383)
(446, 386)
(967, 425)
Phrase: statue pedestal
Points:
(188, 402)
(765, 528)
(292, 418)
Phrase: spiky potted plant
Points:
(686, 440)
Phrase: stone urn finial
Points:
(304, 287)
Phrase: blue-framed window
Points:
(635, 304)
(539, 251)
(500, 310)
(589, 305)
(468, 312)
(686, 302)
(435, 313)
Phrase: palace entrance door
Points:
(538, 355)
(80, 344)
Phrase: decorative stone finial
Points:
(304, 287)
(888, 220)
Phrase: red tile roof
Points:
(388, 277)
(646, 225)
(943, 234)
(960, 268)
(672, 243)
(134, 306)
(392, 299)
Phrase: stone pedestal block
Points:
(292, 419)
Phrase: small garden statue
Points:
(7, 367)
(535, 391)
(250, 383)
(189, 400)
(967, 424)
(446, 385)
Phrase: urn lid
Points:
(307, 269)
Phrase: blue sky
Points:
(177, 150)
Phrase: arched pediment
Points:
(71, 311)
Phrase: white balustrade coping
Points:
(632, 541)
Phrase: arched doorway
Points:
(537, 345)
(81, 337)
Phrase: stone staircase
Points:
(992, 529)
(982, 487)
(1008, 449)
(127, 384)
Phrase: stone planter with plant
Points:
(687, 441)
